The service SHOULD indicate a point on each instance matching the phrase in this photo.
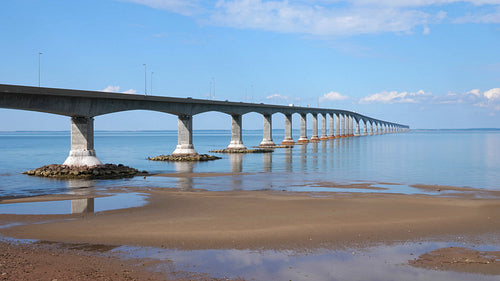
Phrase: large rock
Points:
(104, 171)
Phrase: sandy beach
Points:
(199, 219)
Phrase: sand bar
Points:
(267, 219)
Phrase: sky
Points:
(423, 63)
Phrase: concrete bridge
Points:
(83, 106)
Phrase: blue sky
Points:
(425, 63)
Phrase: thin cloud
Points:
(481, 17)
(183, 7)
(395, 97)
(130, 91)
(111, 89)
(489, 99)
(329, 17)
(332, 96)
(277, 96)
(293, 17)
(116, 89)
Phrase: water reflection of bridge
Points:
(306, 157)
(82, 188)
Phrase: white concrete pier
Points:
(267, 139)
(82, 151)
(288, 140)
(236, 142)
(184, 136)
(303, 129)
(314, 137)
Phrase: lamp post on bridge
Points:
(39, 53)
(151, 83)
(145, 79)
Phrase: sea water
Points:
(461, 158)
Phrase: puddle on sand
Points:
(76, 206)
(375, 263)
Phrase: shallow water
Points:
(382, 262)
(76, 206)
(463, 158)
(388, 163)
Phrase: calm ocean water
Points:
(469, 158)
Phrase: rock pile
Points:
(195, 157)
(105, 171)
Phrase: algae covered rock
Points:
(105, 171)
(184, 158)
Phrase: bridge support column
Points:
(324, 136)
(314, 137)
(267, 139)
(351, 127)
(346, 124)
(365, 128)
(337, 125)
(303, 129)
(347, 131)
(236, 142)
(341, 127)
(347, 120)
(356, 132)
(332, 134)
(288, 140)
(371, 128)
(82, 151)
(184, 136)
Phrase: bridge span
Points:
(83, 106)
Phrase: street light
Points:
(145, 79)
(39, 53)
(151, 83)
(214, 87)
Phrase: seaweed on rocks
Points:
(105, 171)
(184, 158)
(261, 150)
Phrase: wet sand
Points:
(460, 259)
(48, 261)
(268, 220)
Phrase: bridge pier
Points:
(184, 136)
(288, 140)
(332, 128)
(337, 125)
(324, 136)
(347, 126)
(342, 126)
(356, 132)
(351, 127)
(267, 139)
(303, 129)
(236, 142)
(82, 151)
(314, 137)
